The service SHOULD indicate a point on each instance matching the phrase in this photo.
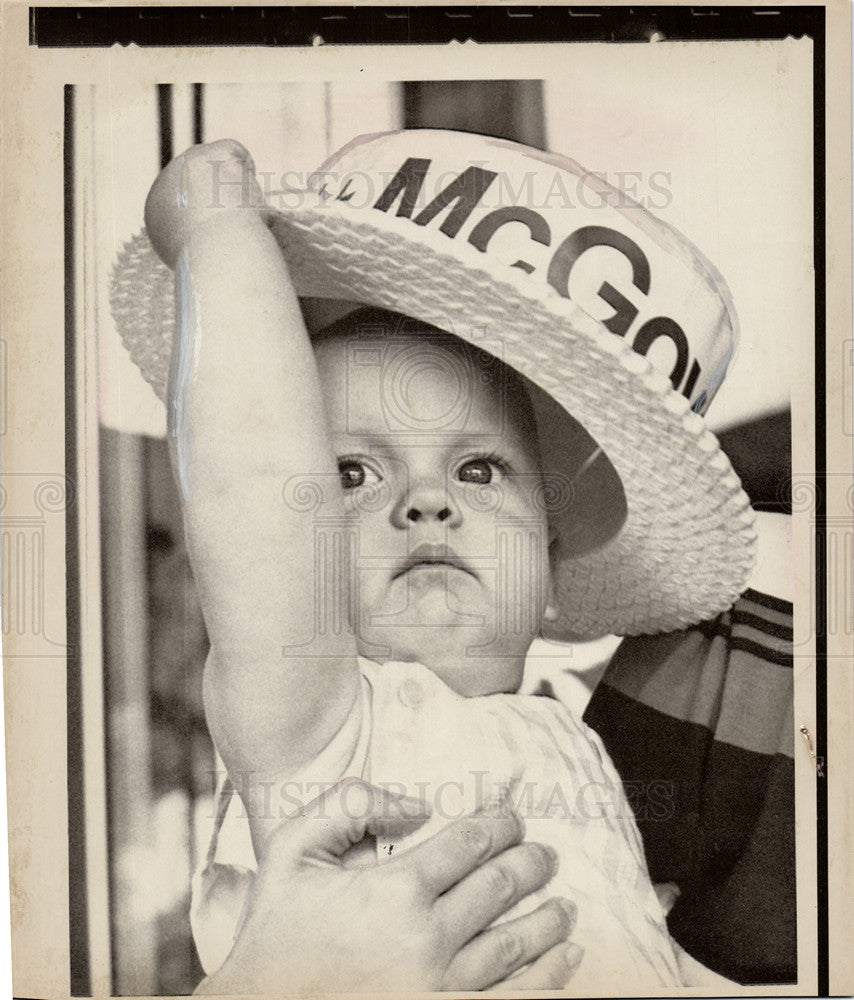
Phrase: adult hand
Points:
(321, 920)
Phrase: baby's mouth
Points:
(432, 555)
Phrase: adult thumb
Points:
(328, 826)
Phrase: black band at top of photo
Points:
(72, 27)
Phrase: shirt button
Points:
(411, 693)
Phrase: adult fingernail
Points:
(572, 956)
(571, 911)
(551, 854)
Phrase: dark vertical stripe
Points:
(159, 732)
(508, 109)
(198, 113)
(164, 110)
(823, 941)
(107, 463)
(78, 915)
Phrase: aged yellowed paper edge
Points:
(34, 453)
(840, 499)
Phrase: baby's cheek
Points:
(481, 500)
(367, 501)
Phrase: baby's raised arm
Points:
(245, 414)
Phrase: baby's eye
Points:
(355, 473)
(479, 470)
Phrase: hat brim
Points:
(684, 549)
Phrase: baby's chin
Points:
(470, 673)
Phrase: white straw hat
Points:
(611, 315)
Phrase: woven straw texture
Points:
(686, 548)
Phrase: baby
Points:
(366, 521)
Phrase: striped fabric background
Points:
(700, 726)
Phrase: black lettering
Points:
(537, 226)
(408, 181)
(466, 190)
(583, 240)
(343, 194)
(692, 380)
(661, 326)
(625, 313)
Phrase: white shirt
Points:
(412, 733)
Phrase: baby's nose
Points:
(416, 514)
(424, 503)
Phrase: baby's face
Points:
(442, 485)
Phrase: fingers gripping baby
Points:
(436, 541)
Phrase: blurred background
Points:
(699, 155)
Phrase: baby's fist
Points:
(206, 183)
